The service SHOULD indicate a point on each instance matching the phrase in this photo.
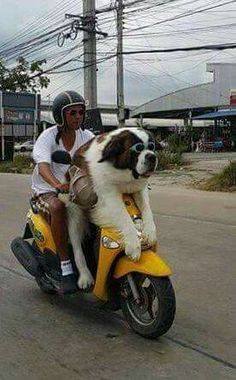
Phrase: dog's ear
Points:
(114, 148)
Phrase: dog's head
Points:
(132, 149)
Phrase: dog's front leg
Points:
(115, 214)
(77, 228)
(149, 228)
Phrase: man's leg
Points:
(59, 228)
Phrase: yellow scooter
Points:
(141, 289)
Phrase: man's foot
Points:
(68, 284)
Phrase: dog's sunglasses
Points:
(139, 147)
(74, 113)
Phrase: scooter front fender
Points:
(150, 263)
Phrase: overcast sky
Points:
(146, 76)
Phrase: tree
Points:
(24, 76)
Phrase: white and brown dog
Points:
(117, 162)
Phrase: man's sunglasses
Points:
(76, 112)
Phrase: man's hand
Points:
(63, 187)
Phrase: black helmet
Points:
(62, 101)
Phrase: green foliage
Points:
(175, 146)
(23, 77)
(224, 181)
(22, 161)
(6, 167)
(20, 164)
(168, 160)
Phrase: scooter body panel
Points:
(41, 231)
(107, 256)
(109, 264)
(150, 263)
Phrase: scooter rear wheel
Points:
(45, 284)
(153, 314)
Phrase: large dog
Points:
(116, 163)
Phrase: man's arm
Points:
(45, 172)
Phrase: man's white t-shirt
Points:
(42, 152)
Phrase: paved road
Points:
(53, 338)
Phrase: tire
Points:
(25, 254)
(45, 285)
(141, 317)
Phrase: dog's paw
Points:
(133, 250)
(149, 233)
(85, 279)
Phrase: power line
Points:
(190, 48)
(185, 14)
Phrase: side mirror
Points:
(61, 157)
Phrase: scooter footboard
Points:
(149, 263)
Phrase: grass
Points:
(169, 160)
(20, 164)
(223, 181)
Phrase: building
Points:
(196, 100)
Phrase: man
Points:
(49, 177)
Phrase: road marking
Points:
(202, 352)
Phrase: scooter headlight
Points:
(108, 242)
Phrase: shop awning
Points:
(222, 114)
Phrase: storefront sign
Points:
(18, 116)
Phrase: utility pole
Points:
(2, 126)
(87, 24)
(35, 118)
(120, 69)
(90, 66)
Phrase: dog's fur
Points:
(114, 169)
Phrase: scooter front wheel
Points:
(152, 313)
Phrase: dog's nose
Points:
(150, 157)
(150, 160)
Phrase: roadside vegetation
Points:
(223, 181)
(20, 164)
(171, 156)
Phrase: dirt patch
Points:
(189, 176)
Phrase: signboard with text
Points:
(18, 116)
(19, 108)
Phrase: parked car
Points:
(26, 146)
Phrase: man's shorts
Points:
(41, 204)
